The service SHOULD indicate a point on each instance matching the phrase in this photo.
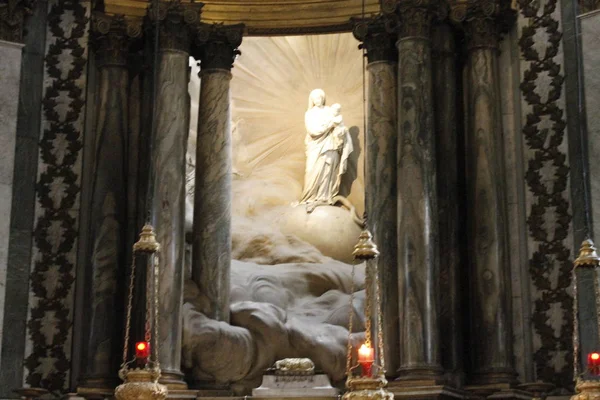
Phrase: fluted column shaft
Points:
(418, 263)
(444, 87)
(168, 187)
(491, 336)
(211, 252)
(109, 207)
(380, 172)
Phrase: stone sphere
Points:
(330, 229)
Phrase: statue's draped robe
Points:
(326, 162)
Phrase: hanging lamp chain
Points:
(156, 324)
(379, 324)
(350, 326)
(129, 308)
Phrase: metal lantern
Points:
(370, 383)
(140, 373)
(586, 388)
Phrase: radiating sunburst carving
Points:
(269, 95)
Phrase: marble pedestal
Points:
(425, 390)
(294, 386)
(501, 391)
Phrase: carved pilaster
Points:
(177, 22)
(218, 45)
(112, 37)
(12, 18)
(377, 38)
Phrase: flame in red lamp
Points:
(366, 358)
(142, 351)
(594, 363)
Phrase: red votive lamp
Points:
(594, 363)
(142, 352)
(365, 359)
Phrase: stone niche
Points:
(292, 283)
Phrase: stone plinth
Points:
(295, 386)
(425, 390)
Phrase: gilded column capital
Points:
(217, 45)
(377, 36)
(112, 36)
(12, 18)
(483, 21)
(177, 22)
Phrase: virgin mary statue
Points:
(328, 146)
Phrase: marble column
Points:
(211, 252)
(169, 145)
(418, 262)
(490, 295)
(380, 173)
(10, 79)
(108, 212)
(444, 87)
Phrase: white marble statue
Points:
(328, 146)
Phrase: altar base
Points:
(423, 390)
(295, 386)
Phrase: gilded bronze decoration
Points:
(141, 382)
(371, 383)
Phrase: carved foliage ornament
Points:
(377, 38)
(57, 192)
(12, 18)
(111, 37)
(218, 45)
(547, 178)
(177, 22)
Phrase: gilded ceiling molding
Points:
(270, 18)
(12, 19)
(112, 36)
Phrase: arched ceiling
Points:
(269, 17)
